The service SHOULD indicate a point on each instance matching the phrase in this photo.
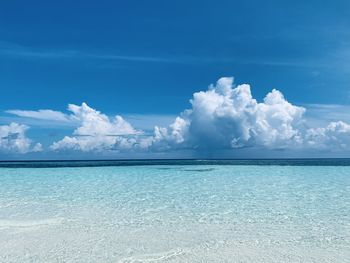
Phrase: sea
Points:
(287, 210)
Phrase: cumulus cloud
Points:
(224, 117)
(173, 137)
(335, 136)
(97, 132)
(13, 139)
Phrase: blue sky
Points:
(144, 60)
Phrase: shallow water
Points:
(175, 213)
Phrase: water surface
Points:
(175, 213)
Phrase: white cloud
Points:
(229, 117)
(13, 139)
(94, 123)
(41, 114)
(225, 117)
(97, 132)
(335, 136)
(168, 138)
(37, 148)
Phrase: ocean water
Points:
(175, 212)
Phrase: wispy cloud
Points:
(13, 50)
(320, 114)
(41, 114)
(140, 121)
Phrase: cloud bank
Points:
(224, 117)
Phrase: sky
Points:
(174, 79)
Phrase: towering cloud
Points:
(229, 117)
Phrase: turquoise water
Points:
(175, 213)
